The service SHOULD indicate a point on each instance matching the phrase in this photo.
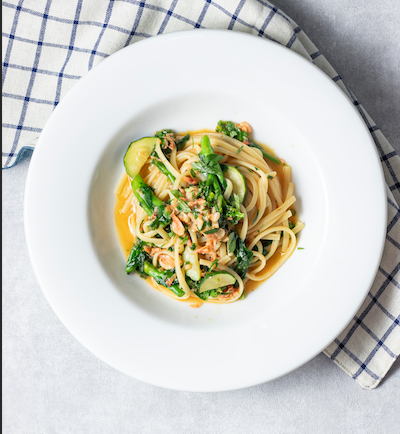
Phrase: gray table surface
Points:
(52, 384)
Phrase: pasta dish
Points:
(206, 216)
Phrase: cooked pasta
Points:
(209, 214)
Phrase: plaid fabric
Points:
(49, 45)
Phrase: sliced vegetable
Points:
(238, 182)
(137, 154)
(193, 258)
(215, 280)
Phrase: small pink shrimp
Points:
(190, 180)
(244, 126)
(167, 262)
(177, 225)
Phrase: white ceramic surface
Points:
(292, 107)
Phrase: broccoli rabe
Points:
(212, 293)
(137, 258)
(161, 167)
(161, 134)
(161, 277)
(231, 130)
(151, 203)
(209, 164)
(180, 144)
(243, 255)
(233, 213)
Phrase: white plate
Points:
(190, 80)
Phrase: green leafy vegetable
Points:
(183, 207)
(232, 242)
(265, 154)
(265, 244)
(239, 150)
(161, 167)
(212, 293)
(177, 193)
(231, 130)
(137, 258)
(151, 203)
(212, 231)
(180, 144)
(184, 239)
(233, 213)
(161, 134)
(243, 255)
(208, 164)
(161, 277)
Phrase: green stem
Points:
(180, 144)
(161, 167)
(151, 203)
(265, 155)
(160, 277)
(206, 149)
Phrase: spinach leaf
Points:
(208, 164)
(182, 206)
(137, 258)
(243, 255)
(180, 144)
(231, 130)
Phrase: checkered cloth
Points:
(49, 45)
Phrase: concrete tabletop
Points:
(52, 384)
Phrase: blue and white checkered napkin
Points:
(49, 45)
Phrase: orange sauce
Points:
(121, 218)
(126, 238)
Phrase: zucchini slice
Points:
(137, 154)
(215, 280)
(238, 181)
(190, 256)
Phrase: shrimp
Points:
(190, 180)
(177, 225)
(229, 295)
(244, 126)
(167, 262)
(184, 217)
(214, 217)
